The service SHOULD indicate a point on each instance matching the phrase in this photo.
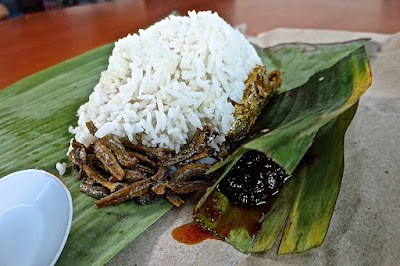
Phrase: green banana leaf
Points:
(318, 183)
(299, 61)
(35, 114)
(294, 119)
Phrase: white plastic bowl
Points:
(35, 218)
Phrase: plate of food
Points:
(190, 105)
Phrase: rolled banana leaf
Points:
(312, 115)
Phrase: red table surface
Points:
(36, 41)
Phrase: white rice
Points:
(168, 80)
(61, 168)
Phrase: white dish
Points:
(35, 218)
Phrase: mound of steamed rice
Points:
(165, 82)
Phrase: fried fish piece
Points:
(259, 88)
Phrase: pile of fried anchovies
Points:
(115, 170)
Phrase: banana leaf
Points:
(293, 118)
(308, 199)
(318, 182)
(299, 61)
(35, 114)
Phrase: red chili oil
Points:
(192, 233)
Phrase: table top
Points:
(36, 41)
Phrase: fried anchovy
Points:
(188, 171)
(132, 175)
(127, 193)
(160, 175)
(119, 150)
(147, 197)
(90, 180)
(174, 198)
(203, 153)
(223, 152)
(158, 154)
(144, 168)
(97, 192)
(131, 191)
(109, 160)
(187, 187)
(200, 139)
(81, 174)
(143, 158)
(98, 178)
(159, 189)
(78, 154)
(91, 127)
(93, 160)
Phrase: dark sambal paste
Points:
(240, 200)
(253, 180)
